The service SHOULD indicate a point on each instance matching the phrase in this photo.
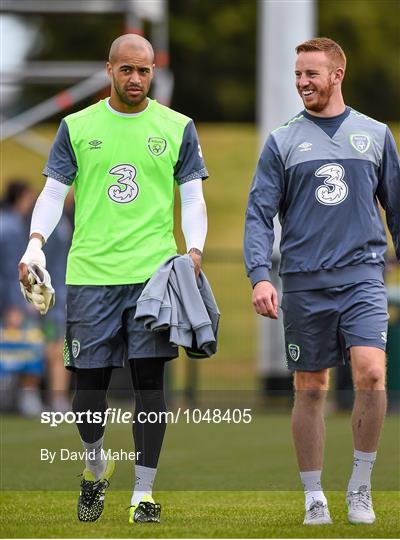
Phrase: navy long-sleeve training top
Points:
(324, 176)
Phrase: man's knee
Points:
(371, 378)
(311, 385)
(311, 380)
(369, 368)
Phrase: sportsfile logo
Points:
(118, 416)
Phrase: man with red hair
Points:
(324, 172)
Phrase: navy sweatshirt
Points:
(324, 176)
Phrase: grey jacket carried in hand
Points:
(173, 299)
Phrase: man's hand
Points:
(34, 279)
(196, 257)
(40, 292)
(32, 255)
(265, 299)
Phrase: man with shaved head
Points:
(130, 47)
(133, 41)
(123, 155)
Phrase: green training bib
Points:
(124, 193)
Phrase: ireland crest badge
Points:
(360, 142)
(294, 351)
(156, 145)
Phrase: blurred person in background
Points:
(21, 362)
(18, 318)
(124, 156)
(324, 172)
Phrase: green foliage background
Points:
(213, 58)
(369, 32)
(213, 53)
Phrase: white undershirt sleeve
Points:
(193, 214)
(50, 203)
(49, 207)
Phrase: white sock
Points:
(311, 481)
(95, 461)
(362, 468)
(143, 483)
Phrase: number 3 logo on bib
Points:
(334, 189)
(126, 190)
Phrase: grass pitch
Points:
(214, 481)
(192, 515)
(217, 477)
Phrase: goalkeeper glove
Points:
(34, 253)
(41, 294)
(39, 291)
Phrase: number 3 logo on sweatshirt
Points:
(334, 190)
(126, 189)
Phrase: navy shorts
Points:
(102, 331)
(321, 325)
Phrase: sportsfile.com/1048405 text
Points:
(118, 416)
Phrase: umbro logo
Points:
(95, 144)
(305, 146)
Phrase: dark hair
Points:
(15, 189)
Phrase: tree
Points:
(213, 56)
(369, 32)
